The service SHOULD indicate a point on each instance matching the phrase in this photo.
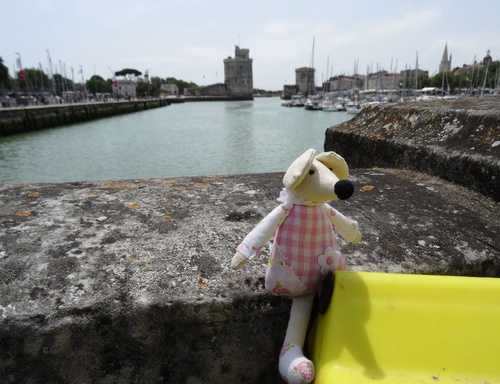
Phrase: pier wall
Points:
(456, 140)
(129, 281)
(20, 120)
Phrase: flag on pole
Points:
(115, 82)
(18, 62)
(80, 72)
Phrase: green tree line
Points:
(36, 80)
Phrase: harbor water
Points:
(188, 139)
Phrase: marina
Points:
(187, 139)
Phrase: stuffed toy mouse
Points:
(305, 249)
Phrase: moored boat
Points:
(314, 103)
(353, 107)
(298, 100)
(330, 105)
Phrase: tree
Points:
(128, 73)
(156, 82)
(61, 84)
(36, 79)
(181, 84)
(142, 89)
(96, 84)
(424, 80)
(5, 80)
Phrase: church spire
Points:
(445, 53)
(445, 65)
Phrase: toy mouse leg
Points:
(293, 366)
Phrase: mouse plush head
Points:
(319, 178)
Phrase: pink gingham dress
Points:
(304, 249)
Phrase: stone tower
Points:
(445, 65)
(304, 80)
(238, 76)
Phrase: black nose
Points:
(344, 189)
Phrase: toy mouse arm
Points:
(345, 227)
(259, 236)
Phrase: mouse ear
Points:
(298, 169)
(336, 163)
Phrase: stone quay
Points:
(129, 281)
(26, 119)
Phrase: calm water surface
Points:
(189, 139)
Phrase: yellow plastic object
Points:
(393, 328)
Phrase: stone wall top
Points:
(465, 125)
(129, 281)
(456, 140)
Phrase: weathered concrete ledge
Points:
(458, 140)
(129, 282)
(19, 120)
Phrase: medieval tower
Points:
(445, 65)
(238, 76)
(304, 80)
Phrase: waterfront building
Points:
(383, 83)
(410, 79)
(471, 82)
(344, 83)
(125, 89)
(466, 68)
(169, 89)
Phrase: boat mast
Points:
(51, 74)
(41, 78)
(416, 73)
(327, 68)
(497, 82)
(394, 81)
(485, 77)
(311, 66)
(472, 76)
(442, 83)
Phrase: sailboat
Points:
(353, 107)
(314, 103)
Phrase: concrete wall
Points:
(129, 281)
(457, 140)
(214, 90)
(288, 91)
(19, 120)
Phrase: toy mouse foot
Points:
(294, 367)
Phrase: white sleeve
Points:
(344, 226)
(262, 233)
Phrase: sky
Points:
(189, 39)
